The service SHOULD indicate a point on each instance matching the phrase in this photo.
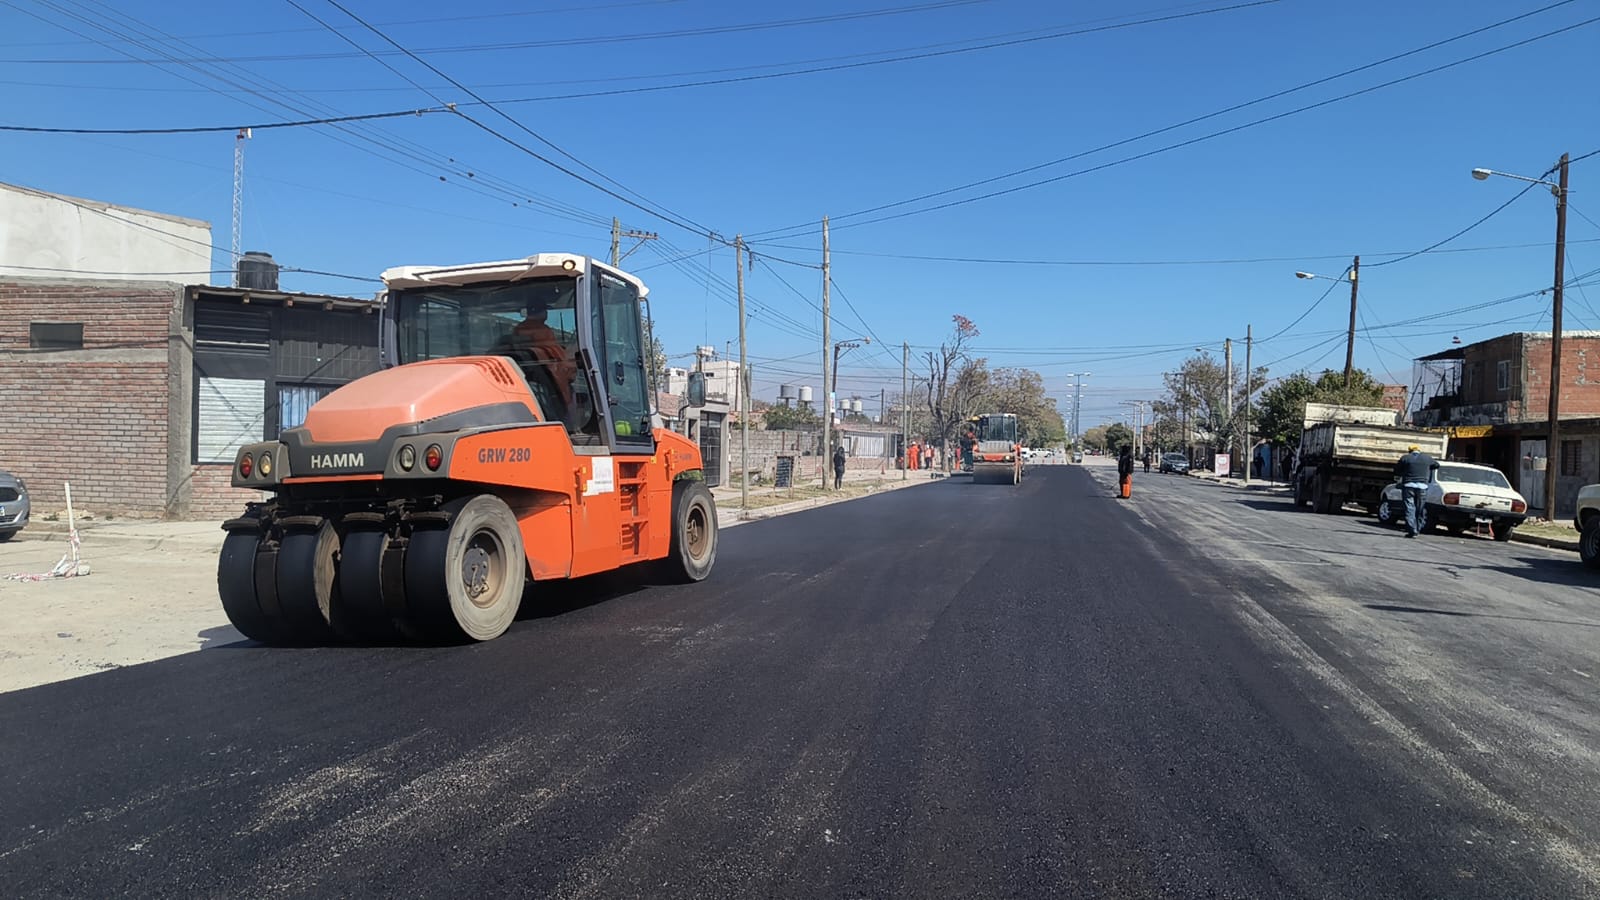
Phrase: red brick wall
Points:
(100, 425)
(1580, 378)
(113, 315)
(215, 497)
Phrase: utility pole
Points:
(905, 408)
(1249, 449)
(617, 234)
(1350, 341)
(744, 399)
(238, 199)
(1552, 460)
(1227, 362)
(827, 347)
(883, 414)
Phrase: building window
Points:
(1571, 458)
(1502, 375)
(55, 335)
(294, 401)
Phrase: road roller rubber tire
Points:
(466, 580)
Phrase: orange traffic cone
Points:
(1127, 487)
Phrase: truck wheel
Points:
(1321, 500)
(466, 580)
(694, 533)
(1589, 542)
(1300, 498)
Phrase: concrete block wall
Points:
(96, 417)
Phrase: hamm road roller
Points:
(510, 440)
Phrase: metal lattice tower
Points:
(238, 199)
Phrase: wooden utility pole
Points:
(744, 392)
(1552, 456)
(827, 349)
(1350, 340)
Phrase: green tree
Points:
(792, 418)
(1021, 392)
(1283, 406)
(1200, 386)
(1095, 438)
(1117, 436)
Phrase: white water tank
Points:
(805, 393)
(786, 392)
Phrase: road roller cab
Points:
(512, 440)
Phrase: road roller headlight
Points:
(408, 457)
(433, 457)
(265, 465)
(246, 466)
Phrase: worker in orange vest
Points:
(912, 453)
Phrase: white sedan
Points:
(1463, 495)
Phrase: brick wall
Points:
(215, 497)
(100, 426)
(114, 315)
(95, 418)
(1580, 377)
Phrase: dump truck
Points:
(1347, 454)
(510, 440)
(996, 451)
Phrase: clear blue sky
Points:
(1382, 172)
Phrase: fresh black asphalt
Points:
(954, 690)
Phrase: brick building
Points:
(1494, 398)
(139, 392)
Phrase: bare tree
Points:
(948, 391)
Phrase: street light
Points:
(1354, 273)
(1559, 190)
(1077, 403)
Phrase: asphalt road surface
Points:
(955, 690)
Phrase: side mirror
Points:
(697, 389)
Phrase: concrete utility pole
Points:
(905, 408)
(827, 348)
(1249, 449)
(1227, 363)
(617, 234)
(744, 391)
(1552, 456)
(1350, 340)
(1077, 405)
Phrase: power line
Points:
(664, 214)
(1170, 147)
(566, 42)
(1492, 213)
(209, 129)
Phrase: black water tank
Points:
(257, 271)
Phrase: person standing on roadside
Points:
(1125, 471)
(1414, 471)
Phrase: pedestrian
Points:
(1125, 471)
(929, 455)
(1414, 471)
(1147, 456)
(914, 451)
(838, 466)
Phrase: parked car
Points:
(1587, 520)
(1462, 495)
(14, 506)
(1175, 462)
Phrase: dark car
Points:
(14, 506)
(1175, 462)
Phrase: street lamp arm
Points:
(1483, 175)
